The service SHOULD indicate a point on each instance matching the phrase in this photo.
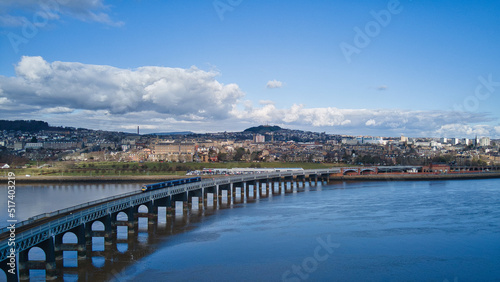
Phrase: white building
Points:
(34, 146)
(259, 138)
(484, 142)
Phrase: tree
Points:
(222, 157)
(240, 152)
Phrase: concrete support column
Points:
(201, 200)
(216, 196)
(58, 250)
(168, 204)
(108, 230)
(24, 272)
(185, 208)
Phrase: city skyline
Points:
(381, 68)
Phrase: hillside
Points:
(261, 129)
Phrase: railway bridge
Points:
(46, 231)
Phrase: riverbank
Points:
(158, 178)
(412, 177)
(20, 180)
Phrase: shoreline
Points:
(415, 177)
(157, 178)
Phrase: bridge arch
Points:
(40, 258)
(97, 225)
(69, 237)
(143, 208)
(350, 171)
(365, 171)
(121, 216)
(36, 253)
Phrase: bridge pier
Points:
(198, 194)
(211, 190)
(79, 246)
(260, 190)
(49, 264)
(107, 233)
(176, 199)
(241, 198)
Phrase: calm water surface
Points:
(33, 200)
(358, 231)
(364, 231)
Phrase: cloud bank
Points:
(172, 99)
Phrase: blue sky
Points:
(385, 68)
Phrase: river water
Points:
(346, 231)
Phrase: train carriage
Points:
(170, 183)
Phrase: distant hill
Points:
(261, 129)
(26, 125)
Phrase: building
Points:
(436, 168)
(258, 138)
(33, 146)
(485, 142)
(174, 151)
(62, 145)
(466, 141)
(18, 146)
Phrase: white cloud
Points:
(56, 110)
(188, 93)
(175, 99)
(370, 122)
(274, 84)
(266, 102)
(457, 130)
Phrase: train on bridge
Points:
(241, 171)
(170, 183)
